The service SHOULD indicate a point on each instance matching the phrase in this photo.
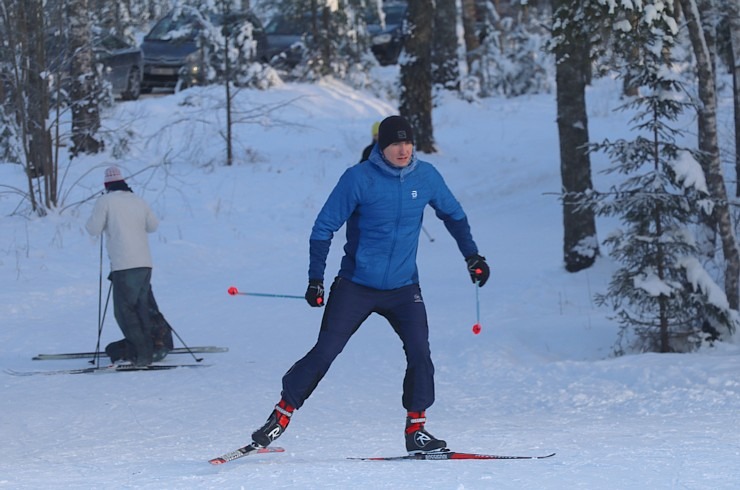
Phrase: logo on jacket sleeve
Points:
(414, 194)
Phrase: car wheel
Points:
(133, 85)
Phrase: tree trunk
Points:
(445, 69)
(85, 84)
(580, 246)
(735, 38)
(709, 147)
(416, 74)
(23, 27)
(229, 99)
(472, 43)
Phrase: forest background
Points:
(678, 240)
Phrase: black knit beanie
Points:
(394, 129)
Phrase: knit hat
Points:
(394, 129)
(112, 174)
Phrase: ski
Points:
(206, 349)
(244, 451)
(444, 455)
(105, 369)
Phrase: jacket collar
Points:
(378, 159)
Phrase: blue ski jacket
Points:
(383, 207)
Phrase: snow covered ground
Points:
(538, 379)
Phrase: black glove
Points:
(478, 269)
(315, 292)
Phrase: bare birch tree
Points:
(22, 25)
(709, 148)
(734, 15)
(472, 43)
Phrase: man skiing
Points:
(382, 202)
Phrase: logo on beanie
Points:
(401, 135)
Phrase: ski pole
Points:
(96, 358)
(197, 359)
(430, 237)
(477, 327)
(234, 291)
(101, 314)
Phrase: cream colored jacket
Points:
(126, 219)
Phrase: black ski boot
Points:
(276, 424)
(418, 440)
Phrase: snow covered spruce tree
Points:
(228, 45)
(510, 59)
(663, 298)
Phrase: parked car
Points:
(285, 39)
(171, 52)
(285, 35)
(387, 40)
(122, 65)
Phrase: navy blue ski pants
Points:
(131, 307)
(349, 305)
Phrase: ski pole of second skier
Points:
(101, 311)
(197, 359)
(96, 358)
(233, 291)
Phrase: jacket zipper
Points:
(399, 209)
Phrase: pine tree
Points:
(510, 59)
(663, 298)
(228, 44)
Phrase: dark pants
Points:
(347, 307)
(138, 316)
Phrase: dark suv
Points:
(285, 37)
(121, 65)
(171, 52)
(387, 41)
(120, 61)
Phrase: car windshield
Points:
(111, 43)
(281, 25)
(393, 15)
(186, 25)
(174, 27)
